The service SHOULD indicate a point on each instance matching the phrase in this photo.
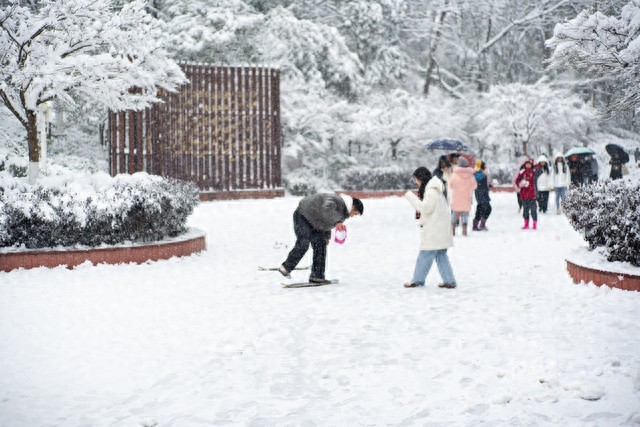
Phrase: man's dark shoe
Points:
(319, 280)
(284, 272)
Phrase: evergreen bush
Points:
(607, 213)
(104, 210)
(389, 178)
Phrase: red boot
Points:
(526, 225)
(535, 225)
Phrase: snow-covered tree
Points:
(603, 47)
(230, 31)
(468, 45)
(517, 116)
(66, 50)
(394, 126)
(372, 30)
(219, 31)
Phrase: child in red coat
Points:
(526, 182)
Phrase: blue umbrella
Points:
(446, 144)
(579, 150)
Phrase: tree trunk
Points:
(433, 47)
(101, 134)
(32, 141)
(524, 148)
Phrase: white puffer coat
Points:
(544, 182)
(562, 178)
(435, 216)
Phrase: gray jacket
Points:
(323, 211)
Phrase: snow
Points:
(209, 340)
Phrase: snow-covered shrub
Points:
(73, 210)
(388, 178)
(306, 181)
(502, 174)
(607, 213)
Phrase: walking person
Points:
(543, 182)
(443, 172)
(526, 182)
(561, 180)
(636, 156)
(576, 170)
(421, 177)
(313, 221)
(483, 206)
(616, 167)
(461, 185)
(435, 231)
(515, 185)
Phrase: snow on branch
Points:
(78, 48)
(602, 46)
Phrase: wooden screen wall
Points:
(221, 131)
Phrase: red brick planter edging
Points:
(509, 189)
(372, 194)
(628, 282)
(139, 252)
(207, 196)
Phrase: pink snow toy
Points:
(340, 236)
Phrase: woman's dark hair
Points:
(545, 167)
(424, 176)
(564, 166)
(446, 161)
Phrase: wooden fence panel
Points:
(221, 131)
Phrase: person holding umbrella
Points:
(576, 170)
(618, 158)
(616, 167)
(443, 172)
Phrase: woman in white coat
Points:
(561, 179)
(435, 230)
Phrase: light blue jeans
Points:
(561, 193)
(424, 262)
(459, 217)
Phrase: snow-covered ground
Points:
(209, 340)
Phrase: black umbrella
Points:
(446, 144)
(615, 150)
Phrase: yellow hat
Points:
(478, 164)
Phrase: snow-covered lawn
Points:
(209, 340)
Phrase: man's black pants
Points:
(305, 235)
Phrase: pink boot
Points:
(535, 225)
(526, 224)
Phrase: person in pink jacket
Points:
(462, 185)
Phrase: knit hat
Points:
(462, 162)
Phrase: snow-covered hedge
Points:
(388, 178)
(607, 213)
(92, 210)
